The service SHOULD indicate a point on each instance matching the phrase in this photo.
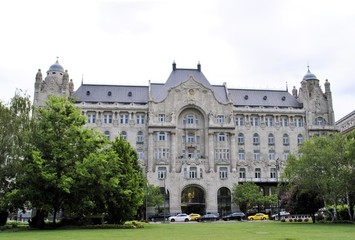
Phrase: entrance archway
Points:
(193, 200)
(224, 201)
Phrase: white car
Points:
(182, 217)
(283, 215)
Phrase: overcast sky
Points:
(261, 44)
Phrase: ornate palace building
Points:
(196, 139)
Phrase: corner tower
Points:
(318, 105)
(56, 83)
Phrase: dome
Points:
(309, 76)
(56, 67)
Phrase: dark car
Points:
(159, 217)
(234, 216)
(208, 217)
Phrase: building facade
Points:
(198, 140)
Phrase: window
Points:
(161, 136)
(221, 137)
(284, 121)
(285, 139)
(271, 155)
(161, 172)
(240, 138)
(140, 118)
(254, 121)
(223, 172)
(140, 137)
(124, 118)
(299, 139)
(190, 119)
(271, 139)
(140, 154)
(221, 153)
(191, 138)
(220, 119)
(241, 154)
(193, 173)
(242, 173)
(269, 121)
(161, 118)
(239, 120)
(107, 134)
(162, 153)
(124, 135)
(286, 153)
(298, 122)
(256, 139)
(257, 173)
(256, 155)
(91, 117)
(273, 173)
(107, 118)
(320, 121)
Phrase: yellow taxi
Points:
(194, 216)
(258, 216)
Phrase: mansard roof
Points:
(266, 98)
(111, 93)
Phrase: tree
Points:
(247, 195)
(129, 194)
(59, 142)
(15, 129)
(154, 196)
(323, 167)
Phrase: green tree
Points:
(48, 177)
(15, 133)
(322, 168)
(124, 200)
(154, 196)
(247, 195)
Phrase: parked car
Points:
(194, 216)
(234, 216)
(159, 217)
(182, 217)
(258, 216)
(283, 214)
(208, 217)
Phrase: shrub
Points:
(306, 220)
(290, 220)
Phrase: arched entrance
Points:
(224, 201)
(193, 200)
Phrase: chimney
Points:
(199, 66)
(174, 66)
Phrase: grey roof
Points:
(266, 98)
(56, 67)
(309, 76)
(111, 93)
(177, 76)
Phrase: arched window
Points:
(285, 139)
(271, 139)
(320, 121)
(124, 135)
(107, 134)
(256, 140)
(240, 138)
(140, 137)
(299, 139)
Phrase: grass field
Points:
(198, 231)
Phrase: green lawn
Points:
(198, 231)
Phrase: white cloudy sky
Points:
(246, 43)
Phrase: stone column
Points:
(211, 152)
(233, 154)
(173, 151)
(150, 152)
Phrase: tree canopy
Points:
(77, 170)
(325, 166)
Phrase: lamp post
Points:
(146, 202)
